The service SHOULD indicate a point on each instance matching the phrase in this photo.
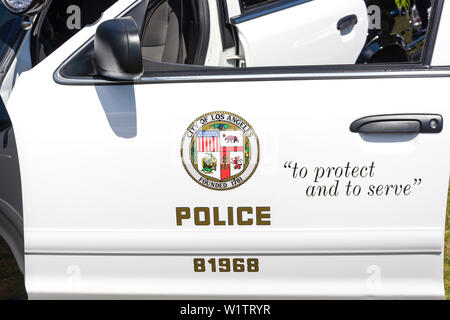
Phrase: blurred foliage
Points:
(403, 4)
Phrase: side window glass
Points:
(171, 32)
(272, 33)
(178, 35)
(301, 32)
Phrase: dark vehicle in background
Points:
(395, 34)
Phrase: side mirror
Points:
(117, 49)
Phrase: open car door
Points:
(274, 33)
(250, 183)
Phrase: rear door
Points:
(274, 33)
(235, 183)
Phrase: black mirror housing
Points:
(117, 49)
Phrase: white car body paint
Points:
(441, 54)
(215, 55)
(280, 38)
(102, 175)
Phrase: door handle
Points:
(399, 123)
(347, 22)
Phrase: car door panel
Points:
(171, 276)
(111, 195)
(102, 177)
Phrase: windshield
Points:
(9, 32)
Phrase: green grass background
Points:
(447, 250)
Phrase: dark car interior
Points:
(51, 30)
(172, 31)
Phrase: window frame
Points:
(260, 3)
(219, 74)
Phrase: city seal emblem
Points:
(220, 150)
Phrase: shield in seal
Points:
(220, 150)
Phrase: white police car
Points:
(234, 149)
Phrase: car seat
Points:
(162, 39)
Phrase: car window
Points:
(396, 32)
(378, 32)
(9, 32)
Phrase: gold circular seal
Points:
(220, 150)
